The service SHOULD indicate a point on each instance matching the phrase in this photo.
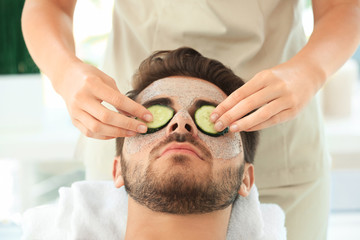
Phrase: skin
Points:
(144, 223)
(47, 26)
(281, 92)
(187, 101)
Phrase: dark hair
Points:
(188, 62)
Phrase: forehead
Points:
(183, 89)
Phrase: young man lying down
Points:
(180, 180)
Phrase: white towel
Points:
(97, 210)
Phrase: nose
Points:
(182, 123)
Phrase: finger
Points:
(122, 102)
(276, 119)
(124, 113)
(245, 106)
(105, 115)
(262, 115)
(87, 132)
(241, 93)
(91, 127)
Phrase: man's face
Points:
(179, 169)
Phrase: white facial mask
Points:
(184, 91)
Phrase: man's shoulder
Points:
(102, 189)
(85, 208)
(92, 195)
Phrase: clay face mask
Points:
(184, 92)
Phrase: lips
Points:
(181, 148)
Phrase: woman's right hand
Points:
(84, 88)
(47, 29)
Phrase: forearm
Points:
(335, 37)
(47, 30)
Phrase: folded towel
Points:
(97, 210)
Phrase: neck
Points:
(143, 223)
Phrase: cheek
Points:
(226, 147)
(134, 145)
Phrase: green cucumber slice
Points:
(203, 122)
(161, 117)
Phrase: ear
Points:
(117, 177)
(248, 180)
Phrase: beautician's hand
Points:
(84, 88)
(48, 33)
(278, 94)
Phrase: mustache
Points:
(177, 137)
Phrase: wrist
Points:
(63, 66)
(310, 70)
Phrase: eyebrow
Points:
(201, 102)
(169, 102)
(158, 101)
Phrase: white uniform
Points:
(292, 162)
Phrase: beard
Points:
(182, 190)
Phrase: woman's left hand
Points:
(277, 94)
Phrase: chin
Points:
(184, 162)
(180, 159)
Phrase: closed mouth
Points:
(182, 149)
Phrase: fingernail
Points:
(214, 117)
(219, 126)
(130, 133)
(234, 128)
(148, 117)
(141, 129)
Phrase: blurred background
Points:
(37, 138)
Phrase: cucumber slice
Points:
(203, 122)
(161, 117)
